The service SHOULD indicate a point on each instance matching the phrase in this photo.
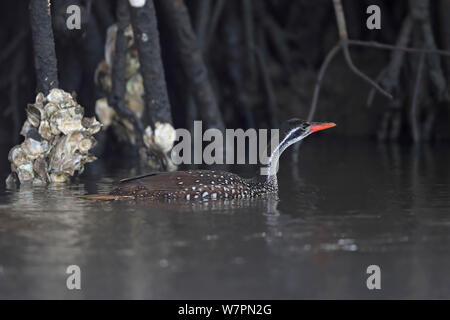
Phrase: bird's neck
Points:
(268, 173)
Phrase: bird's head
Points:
(296, 129)
(291, 132)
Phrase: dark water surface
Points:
(343, 207)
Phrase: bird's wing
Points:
(164, 181)
(139, 177)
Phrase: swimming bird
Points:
(211, 184)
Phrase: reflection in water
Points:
(340, 208)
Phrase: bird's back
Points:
(187, 185)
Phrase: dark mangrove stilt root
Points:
(44, 45)
(117, 97)
(146, 35)
(192, 61)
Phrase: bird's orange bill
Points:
(321, 126)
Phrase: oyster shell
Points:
(158, 143)
(49, 109)
(67, 120)
(17, 156)
(104, 112)
(110, 44)
(32, 148)
(69, 155)
(137, 3)
(12, 180)
(34, 114)
(91, 125)
(135, 104)
(39, 98)
(58, 177)
(45, 130)
(69, 126)
(135, 85)
(26, 127)
(148, 136)
(25, 172)
(40, 168)
(86, 144)
(164, 136)
(133, 63)
(60, 97)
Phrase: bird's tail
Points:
(105, 197)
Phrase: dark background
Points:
(292, 39)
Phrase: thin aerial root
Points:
(414, 118)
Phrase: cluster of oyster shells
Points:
(158, 143)
(163, 137)
(134, 101)
(57, 140)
